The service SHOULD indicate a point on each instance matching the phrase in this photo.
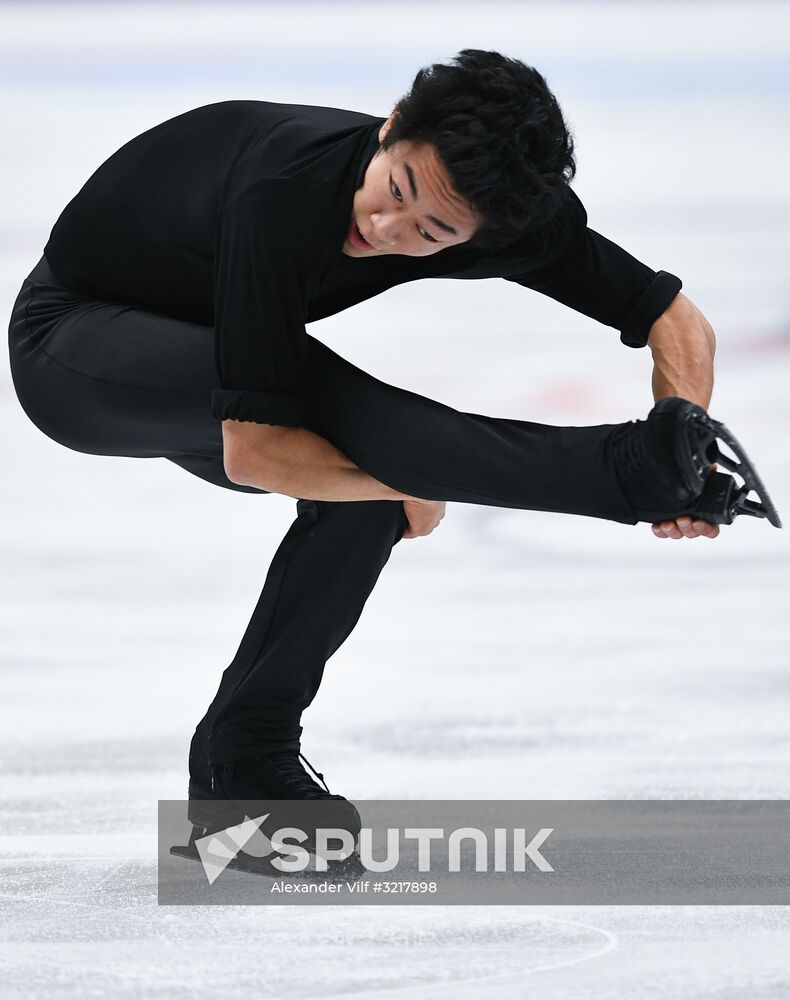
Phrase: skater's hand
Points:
(423, 515)
(685, 527)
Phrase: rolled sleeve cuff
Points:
(648, 307)
(282, 409)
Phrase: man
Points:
(167, 316)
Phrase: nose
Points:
(386, 228)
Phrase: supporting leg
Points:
(315, 590)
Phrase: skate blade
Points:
(243, 862)
(350, 868)
(729, 500)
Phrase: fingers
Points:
(423, 516)
(685, 527)
(418, 531)
(421, 529)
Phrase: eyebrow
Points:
(414, 193)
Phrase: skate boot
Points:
(275, 790)
(665, 468)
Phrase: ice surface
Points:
(509, 655)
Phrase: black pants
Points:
(106, 378)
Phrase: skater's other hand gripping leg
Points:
(423, 516)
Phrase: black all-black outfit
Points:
(173, 294)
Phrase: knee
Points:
(387, 517)
(368, 519)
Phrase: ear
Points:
(387, 125)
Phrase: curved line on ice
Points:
(611, 943)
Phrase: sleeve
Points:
(259, 307)
(596, 277)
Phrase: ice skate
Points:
(276, 786)
(665, 468)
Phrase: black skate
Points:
(664, 465)
(275, 789)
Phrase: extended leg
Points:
(426, 449)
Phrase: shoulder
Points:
(566, 224)
(559, 235)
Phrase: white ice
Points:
(509, 655)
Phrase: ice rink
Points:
(510, 655)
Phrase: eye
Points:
(397, 194)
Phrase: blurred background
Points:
(510, 654)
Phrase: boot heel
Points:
(214, 814)
(189, 851)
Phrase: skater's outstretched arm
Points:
(683, 345)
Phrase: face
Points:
(407, 205)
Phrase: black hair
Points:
(500, 134)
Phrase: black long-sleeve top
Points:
(233, 215)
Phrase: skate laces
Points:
(316, 773)
(635, 461)
(289, 768)
(645, 465)
(631, 450)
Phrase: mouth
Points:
(356, 239)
